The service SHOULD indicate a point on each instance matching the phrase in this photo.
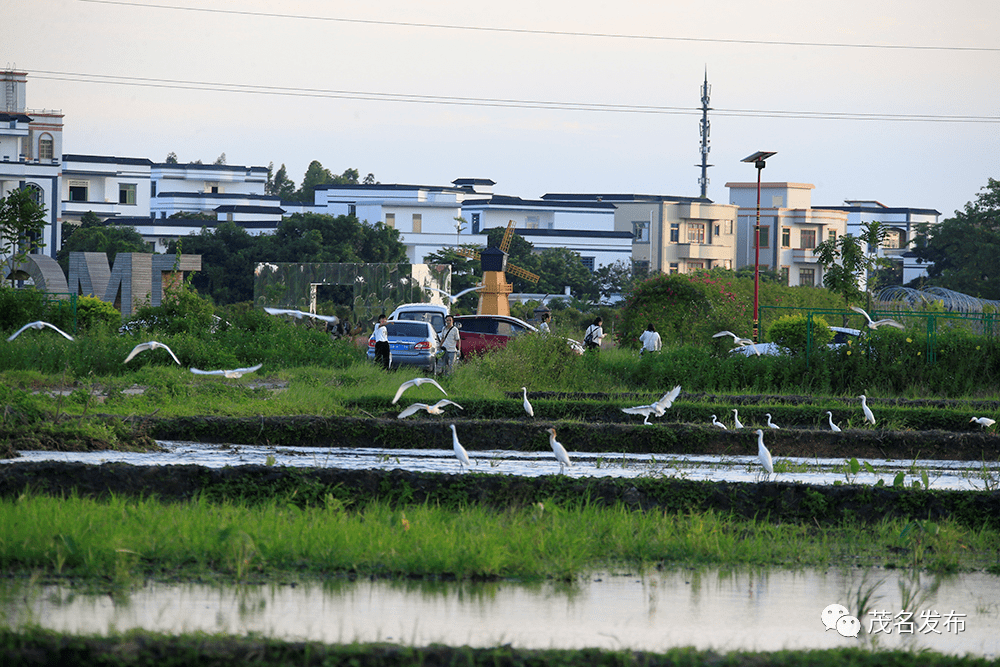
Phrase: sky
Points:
(889, 101)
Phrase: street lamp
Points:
(758, 159)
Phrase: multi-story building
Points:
(31, 153)
(670, 234)
(203, 188)
(789, 229)
(110, 187)
(901, 224)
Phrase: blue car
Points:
(411, 343)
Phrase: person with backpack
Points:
(595, 334)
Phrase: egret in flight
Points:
(559, 450)
(436, 409)
(877, 323)
(416, 382)
(740, 342)
(298, 314)
(869, 416)
(151, 345)
(233, 373)
(460, 453)
(38, 325)
(452, 298)
(658, 408)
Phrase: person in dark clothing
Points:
(382, 342)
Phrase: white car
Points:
(841, 335)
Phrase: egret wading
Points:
(559, 450)
(763, 455)
(460, 453)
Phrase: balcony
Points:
(703, 251)
(803, 256)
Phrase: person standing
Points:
(650, 340)
(594, 335)
(544, 326)
(381, 336)
(451, 343)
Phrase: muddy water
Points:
(959, 475)
(766, 610)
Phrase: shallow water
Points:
(767, 610)
(959, 475)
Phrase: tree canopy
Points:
(962, 251)
(95, 236)
(22, 221)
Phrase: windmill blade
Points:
(465, 252)
(507, 238)
(523, 273)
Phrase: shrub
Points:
(797, 333)
(92, 312)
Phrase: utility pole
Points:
(706, 91)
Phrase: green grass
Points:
(125, 539)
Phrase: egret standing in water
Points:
(763, 455)
(736, 419)
(716, 422)
(833, 427)
(527, 406)
(460, 453)
(869, 415)
(559, 450)
(770, 424)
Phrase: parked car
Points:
(411, 343)
(841, 335)
(481, 333)
(421, 312)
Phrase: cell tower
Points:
(706, 91)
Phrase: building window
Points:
(475, 223)
(717, 229)
(126, 193)
(891, 239)
(588, 262)
(784, 275)
(832, 235)
(418, 222)
(390, 219)
(786, 237)
(640, 232)
(808, 238)
(78, 190)
(696, 232)
(765, 237)
(807, 277)
(673, 267)
(728, 226)
(352, 210)
(675, 232)
(777, 201)
(46, 147)
(693, 266)
(531, 222)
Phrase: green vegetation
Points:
(122, 540)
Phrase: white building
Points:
(901, 224)
(31, 153)
(159, 232)
(789, 229)
(110, 187)
(202, 188)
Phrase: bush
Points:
(92, 312)
(798, 334)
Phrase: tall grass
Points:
(130, 537)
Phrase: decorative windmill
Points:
(493, 297)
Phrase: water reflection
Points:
(959, 475)
(720, 609)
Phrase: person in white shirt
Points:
(451, 343)
(650, 340)
(381, 336)
(544, 326)
(595, 333)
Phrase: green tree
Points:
(616, 278)
(171, 158)
(848, 262)
(228, 258)
(962, 251)
(281, 185)
(109, 239)
(22, 221)
(188, 215)
(559, 268)
(349, 177)
(221, 160)
(315, 176)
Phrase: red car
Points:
(481, 333)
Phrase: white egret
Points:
(740, 342)
(716, 422)
(763, 455)
(436, 409)
(657, 408)
(416, 382)
(233, 373)
(736, 419)
(869, 416)
(833, 427)
(452, 298)
(151, 345)
(983, 421)
(559, 450)
(877, 323)
(298, 314)
(770, 424)
(460, 453)
(38, 325)
(527, 405)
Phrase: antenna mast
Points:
(706, 91)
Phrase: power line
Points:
(558, 33)
(554, 105)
